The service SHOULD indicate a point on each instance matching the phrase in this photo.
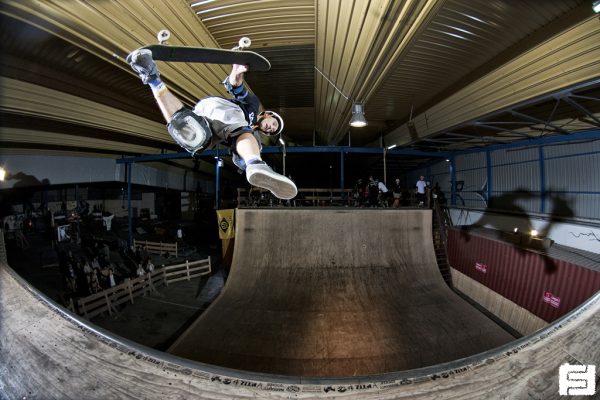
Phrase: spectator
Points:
(87, 269)
(421, 189)
(105, 251)
(140, 270)
(438, 195)
(384, 193)
(111, 279)
(138, 254)
(357, 193)
(72, 278)
(373, 189)
(397, 190)
(145, 254)
(150, 266)
(96, 286)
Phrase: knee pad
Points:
(189, 130)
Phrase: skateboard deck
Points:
(254, 61)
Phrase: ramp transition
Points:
(331, 293)
(48, 353)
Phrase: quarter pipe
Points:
(48, 353)
(336, 292)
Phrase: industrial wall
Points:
(36, 170)
(546, 286)
(554, 187)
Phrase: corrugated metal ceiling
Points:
(396, 56)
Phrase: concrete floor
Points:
(154, 320)
(157, 319)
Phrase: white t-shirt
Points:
(421, 185)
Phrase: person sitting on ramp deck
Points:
(213, 120)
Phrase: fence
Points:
(106, 300)
(157, 247)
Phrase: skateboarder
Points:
(215, 119)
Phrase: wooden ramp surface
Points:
(48, 353)
(331, 293)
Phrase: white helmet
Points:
(273, 114)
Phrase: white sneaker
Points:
(262, 176)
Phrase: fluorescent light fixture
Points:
(358, 119)
(2, 174)
(391, 147)
(534, 233)
(281, 141)
(596, 6)
(455, 35)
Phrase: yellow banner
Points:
(225, 218)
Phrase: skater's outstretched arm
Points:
(236, 77)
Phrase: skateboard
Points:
(237, 55)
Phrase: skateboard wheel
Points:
(244, 42)
(163, 36)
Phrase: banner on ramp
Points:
(226, 219)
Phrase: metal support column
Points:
(384, 166)
(452, 180)
(542, 179)
(342, 173)
(488, 166)
(218, 181)
(128, 171)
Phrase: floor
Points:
(154, 320)
(157, 319)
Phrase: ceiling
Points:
(432, 75)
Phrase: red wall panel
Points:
(547, 287)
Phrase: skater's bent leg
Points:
(143, 64)
(247, 147)
(168, 103)
(190, 131)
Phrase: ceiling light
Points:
(596, 6)
(516, 230)
(358, 119)
(2, 174)
(391, 147)
(534, 233)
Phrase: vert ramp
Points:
(336, 293)
(48, 353)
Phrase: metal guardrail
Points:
(314, 196)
